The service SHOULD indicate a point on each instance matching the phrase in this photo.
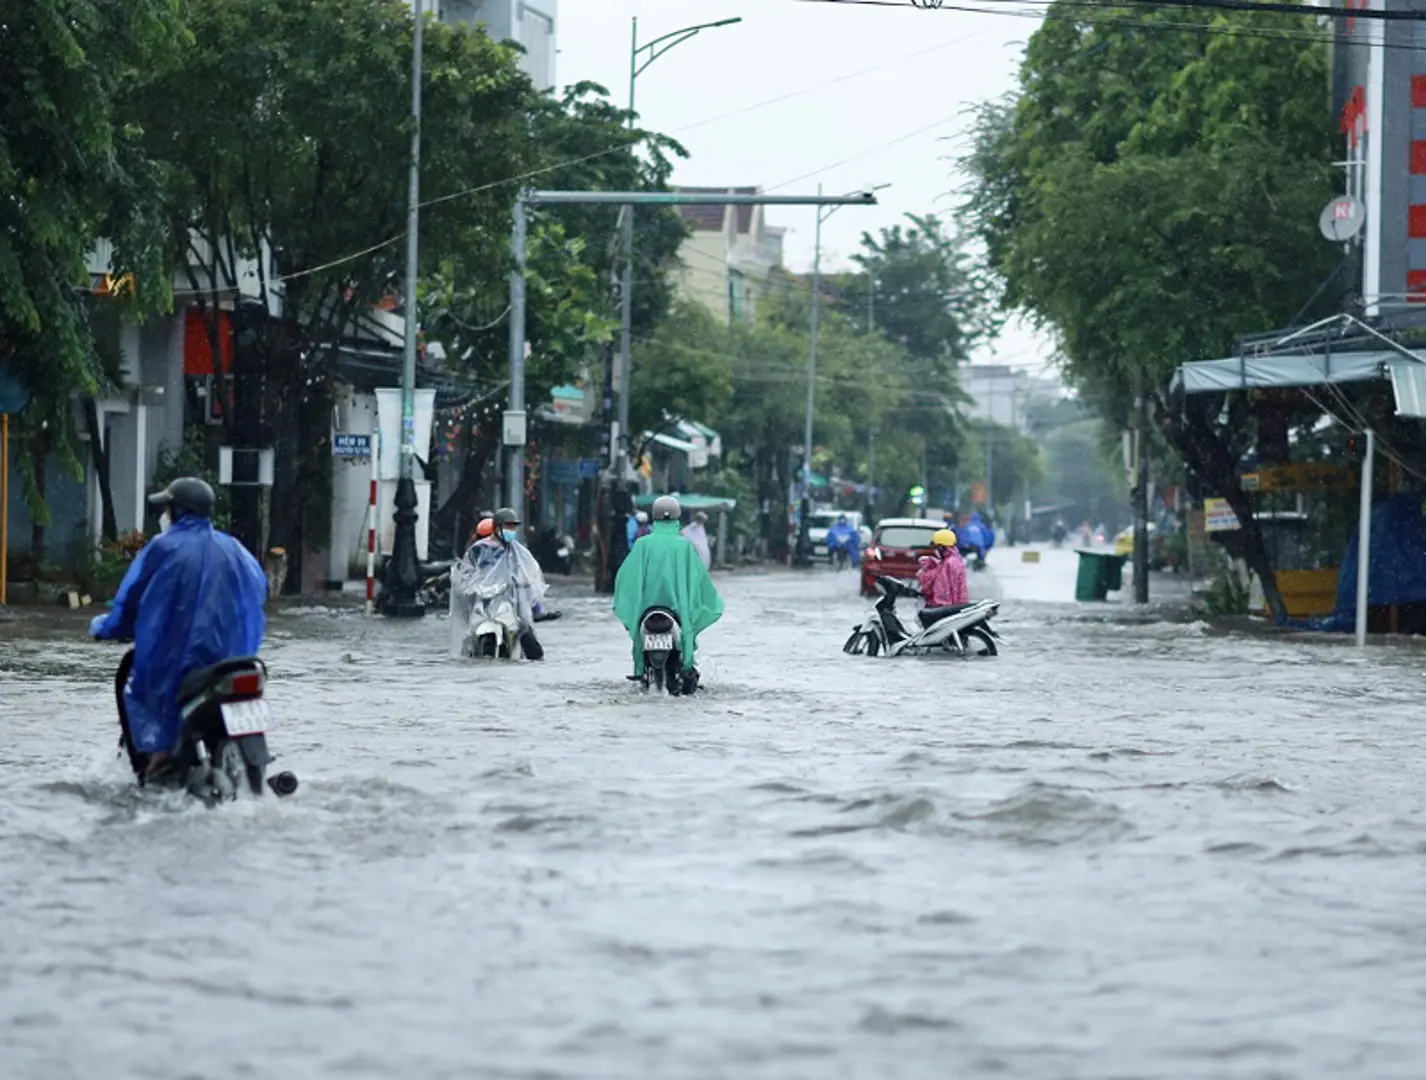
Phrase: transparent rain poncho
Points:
(504, 583)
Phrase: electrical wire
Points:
(1273, 7)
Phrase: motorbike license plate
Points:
(247, 717)
(658, 642)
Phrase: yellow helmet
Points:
(943, 538)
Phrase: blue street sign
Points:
(13, 395)
(351, 446)
(588, 469)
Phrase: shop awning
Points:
(1408, 376)
(674, 444)
(693, 502)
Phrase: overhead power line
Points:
(1269, 6)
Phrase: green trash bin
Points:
(1099, 575)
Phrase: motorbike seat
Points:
(195, 682)
(931, 615)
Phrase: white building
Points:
(528, 23)
(999, 394)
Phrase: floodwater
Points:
(1127, 847)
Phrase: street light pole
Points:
(403, 573)
(803, 553)
(619, 443)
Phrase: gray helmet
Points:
(506, 516)
(666, 508)
(188, 495)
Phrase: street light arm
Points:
(672, 39)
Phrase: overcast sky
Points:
(805, 93)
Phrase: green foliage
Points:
(195, 458)
(919, 288)
(1151, 196)
(71, 172)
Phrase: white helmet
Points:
(666, 508)
(642, 518)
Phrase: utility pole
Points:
(403, 572)
(803, 553)
(1140, 492)
(620, 500)
(871, 435)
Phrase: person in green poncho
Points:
(664, 570)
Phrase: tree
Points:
(919, 288)
(1150, 195)
(71, 172)
(286, 130)
(584, 144)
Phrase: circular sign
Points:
(1342, 218)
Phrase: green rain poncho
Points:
(663, 570)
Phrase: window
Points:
(906, 536)
(735, 295)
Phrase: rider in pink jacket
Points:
(942, 575)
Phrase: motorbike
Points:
(486, 619)
(974, 557)
(1057, 535)
(554, 553)
(663, 653)
(960, 629)
(223, 743)
(435, 590)
(838, 555)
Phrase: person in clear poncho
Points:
(497, 576)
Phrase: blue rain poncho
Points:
(192, 598)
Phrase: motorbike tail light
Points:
(249, 685)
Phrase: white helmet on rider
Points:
(666, 508)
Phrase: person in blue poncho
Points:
(193, 597)
(976, 537)
(842, 536)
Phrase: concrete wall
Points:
(703, 277)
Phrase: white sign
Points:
(514, 428)
(1218, 516)
(389, 422)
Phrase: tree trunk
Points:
(1204, 451)
(100, 453)
(457, 514)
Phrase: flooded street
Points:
(1127, 847)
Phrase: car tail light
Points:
(246, 685)
(874, 553)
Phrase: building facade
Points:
(729, 254)
(531, 24)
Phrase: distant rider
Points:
(842, 536)
(976, 536)
(638, 527)
(664, 570)
(193, 598)
(942, 574)
(696, 533)
(499, 540)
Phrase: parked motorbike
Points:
(663, 653)
(223, 743)
(960, 629)
(435, 590)
(554, 552)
